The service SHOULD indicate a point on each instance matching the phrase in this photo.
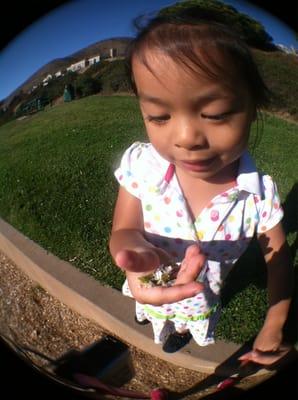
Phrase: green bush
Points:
(86, 85)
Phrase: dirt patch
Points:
(31, 317)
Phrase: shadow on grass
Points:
(290, 220)
(251, 268)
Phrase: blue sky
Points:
(80, 23)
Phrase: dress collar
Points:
(248, 178)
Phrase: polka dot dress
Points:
(223, 231)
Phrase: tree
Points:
(251, 31)
(86, 85)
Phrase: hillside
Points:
(279, 70)
(102, 47)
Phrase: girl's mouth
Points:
(197, 165)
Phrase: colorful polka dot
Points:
(200, 235)
(214, 215)
(167, 229)
(134, 185)
(148, 207)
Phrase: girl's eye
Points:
(217, 117)
(159, 119)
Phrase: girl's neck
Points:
(198, 193)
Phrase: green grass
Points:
(56, 177)
(57, 187)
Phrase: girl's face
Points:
(193, 122)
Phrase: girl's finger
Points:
(191, 269)
(165, 295)
(130, 260)
(192, 251)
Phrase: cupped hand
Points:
(184, 287)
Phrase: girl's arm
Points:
(128, 246)
(280, 286)
(133, 253)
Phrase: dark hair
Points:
(196, 44)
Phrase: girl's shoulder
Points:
(140, 168)
(140, 158)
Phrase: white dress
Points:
(223, 231)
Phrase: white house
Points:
(93, 60)
(113, 53)
(77, 66)
(46, 80)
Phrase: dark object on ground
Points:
(176, 341)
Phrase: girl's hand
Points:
(184, 287)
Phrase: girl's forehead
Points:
(155, 68)
(208, 63)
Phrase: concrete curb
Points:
(108, 307)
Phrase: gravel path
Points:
(31, 317)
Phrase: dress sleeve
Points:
(270, 210)
(129, 172)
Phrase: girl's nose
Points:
(189, 135)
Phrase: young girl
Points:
(193, 194)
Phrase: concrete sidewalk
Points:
(108, 307)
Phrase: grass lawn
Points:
(57, 187)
